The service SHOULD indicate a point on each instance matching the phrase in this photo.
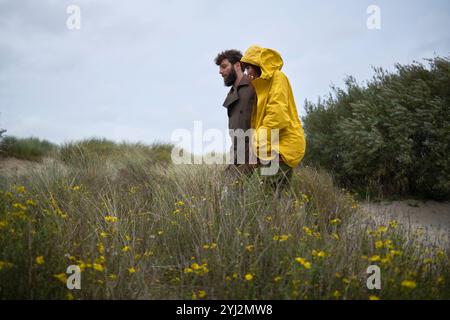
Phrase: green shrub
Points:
(26, 148)
(391, 134)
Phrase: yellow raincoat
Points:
(275, 109)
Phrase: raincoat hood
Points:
(275, 114)
(267, 59)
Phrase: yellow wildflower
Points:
(61, 277)
(19, 206)
(98, 267)
(148, 253)
(378, 244)
(318, 254)
(20, 189)
(410, 284)
(40, 260)
(3, 224)
(303, 262)
(101, 248)
(31, 202)
(382, 229)
(308, 231)
(110, 219)
(132, 190)
(248, 277)
(393, 224)
(131, 270)
(335, 221)
(440, 254)
(113, 276)
(395, 252)
(195, 266)
(374, 298)
(5, 265)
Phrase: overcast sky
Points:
(138, 70)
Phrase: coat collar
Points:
(233, 95)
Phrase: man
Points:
(275, 114)
(239, 104)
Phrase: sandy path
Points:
(10, 167)
(431, 216)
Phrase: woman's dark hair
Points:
(231, 55)
(257, 69)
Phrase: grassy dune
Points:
(141, 228)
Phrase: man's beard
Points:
(231, 79)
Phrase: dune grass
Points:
(33, 149)
(145, 229)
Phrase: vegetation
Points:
(139, 229)
(390, 136)
(33, 149)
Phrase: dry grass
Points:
(158, 231)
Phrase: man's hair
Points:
(232, 55)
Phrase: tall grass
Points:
(145, 230)
(33, 149)
(76, 153)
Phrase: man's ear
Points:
(237, 66)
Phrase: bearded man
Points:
(239, 104)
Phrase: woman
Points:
(275, 111)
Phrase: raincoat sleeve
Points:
(276, 117)
(277, 105)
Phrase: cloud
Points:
(140, 70)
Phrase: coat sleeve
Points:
(277, 103)
(276, 117)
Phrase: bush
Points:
(33, 149)
(392, 134)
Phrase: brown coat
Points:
(239, 103)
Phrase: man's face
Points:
(226, 70)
